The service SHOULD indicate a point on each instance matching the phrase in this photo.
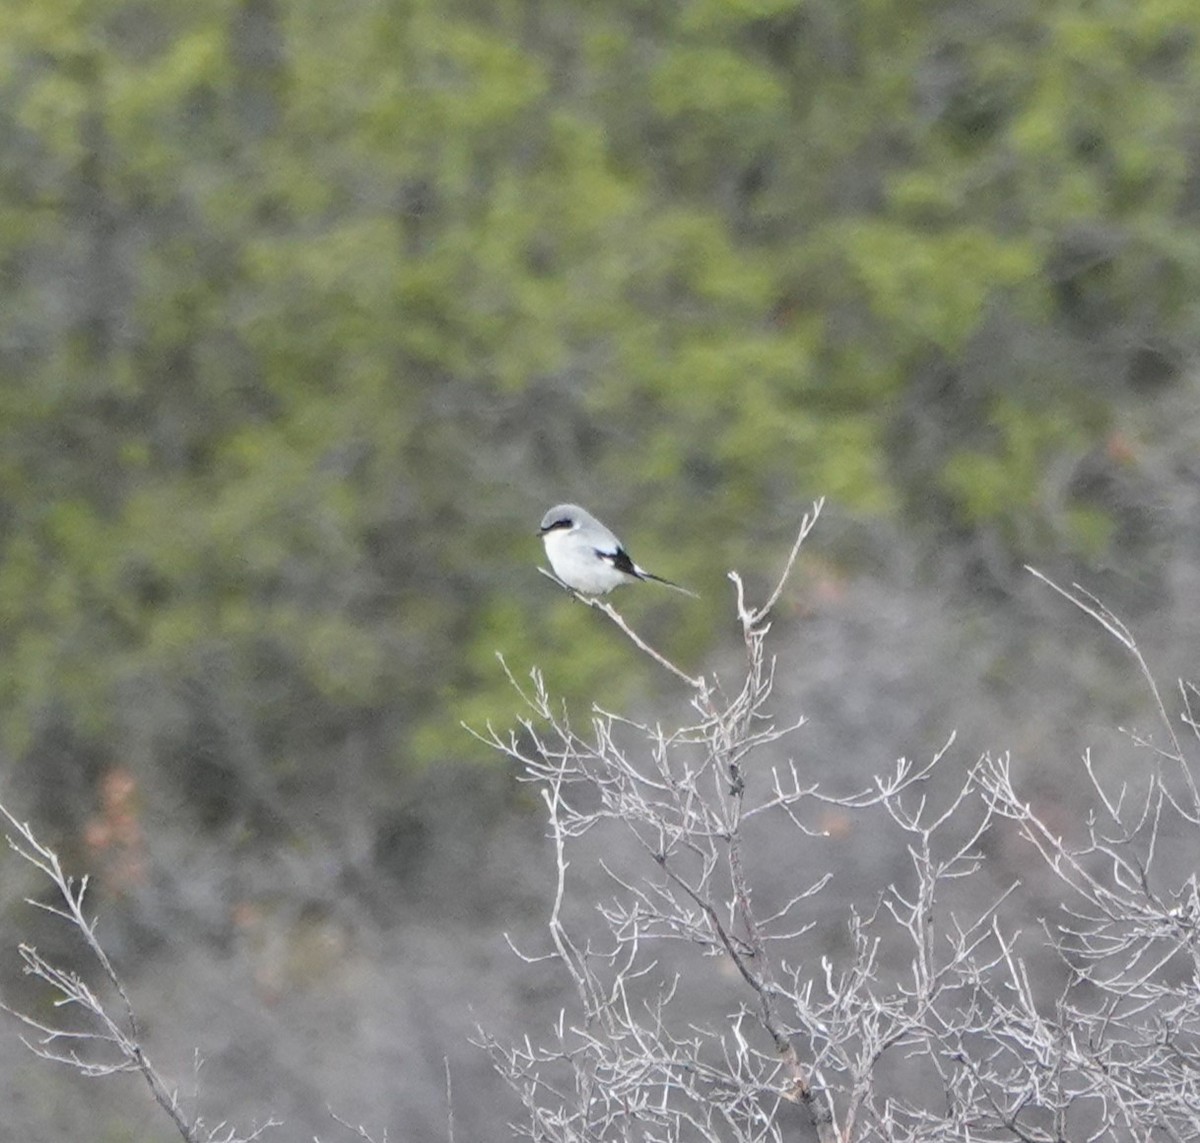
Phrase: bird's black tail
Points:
(666, 583)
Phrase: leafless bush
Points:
(963, 1041)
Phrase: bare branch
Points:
(108, 1042)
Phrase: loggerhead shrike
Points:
(587, 557)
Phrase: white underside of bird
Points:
(587, 557)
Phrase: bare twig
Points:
(613, 614)
(358, 1129)
(1087, 603)
(107, 1043)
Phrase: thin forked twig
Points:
(1083, 599)
(752, 617)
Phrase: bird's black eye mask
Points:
(562, 522)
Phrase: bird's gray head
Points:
(562, 517)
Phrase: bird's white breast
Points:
(575, 562)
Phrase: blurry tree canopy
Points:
(310, 310)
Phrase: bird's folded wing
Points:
(621, 561)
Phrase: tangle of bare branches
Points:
(955, 1005)
(964, 1040)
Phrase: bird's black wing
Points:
(621, 561)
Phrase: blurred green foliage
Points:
(309, 313)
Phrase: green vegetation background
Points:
(309, 310)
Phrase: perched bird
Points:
(587, 557)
